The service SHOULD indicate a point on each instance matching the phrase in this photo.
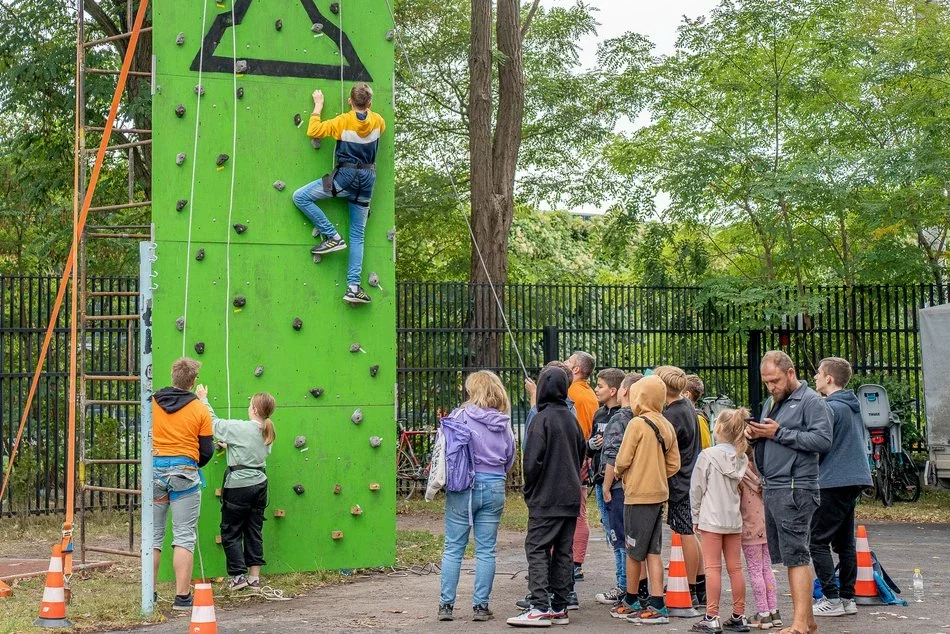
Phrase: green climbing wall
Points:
(270, 264)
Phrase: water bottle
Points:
(918, 586)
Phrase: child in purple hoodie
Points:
(487, 413)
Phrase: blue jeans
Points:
(487, 502)
(620, 556)
(306, 198)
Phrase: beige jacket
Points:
(641, 462)
(714, 489)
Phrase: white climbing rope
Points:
(194, 167)
(227, 256)
(458, 197)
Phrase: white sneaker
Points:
(531, 618)
(610, 597)
(828, 607)
(850, 607)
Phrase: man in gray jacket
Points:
(844, 473)
(795, 429)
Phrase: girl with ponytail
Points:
(244, 496)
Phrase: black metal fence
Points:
(443, 333)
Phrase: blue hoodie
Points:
(493, 442)
(846, 463)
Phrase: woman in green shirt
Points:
(244, 496)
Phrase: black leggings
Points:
(242, 519)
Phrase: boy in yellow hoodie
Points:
(357, 135)
(648, 456)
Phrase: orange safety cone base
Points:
(5, 590)
(679, 601)
(52, 623)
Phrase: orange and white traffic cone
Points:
(5, 591)
(203, 620)
(678, 599)
(865, 588)
(53, 608)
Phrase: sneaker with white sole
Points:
(611, 597)
(736, 623)
(850, 607)
(623, 609)
(761, 621)
(776, 618)
(828, 607)
(357, 296)
(560, 618)
(708, 624)
(531, 618)
(238, 582)
(329, 245)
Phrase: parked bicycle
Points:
(410, 468)
(892, 468)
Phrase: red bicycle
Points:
(410, 470)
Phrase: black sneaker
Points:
(358, 296)
(578, 573)
(445, 611)
(572, 602)
(525, 603)
(736, 623)
(238, 582)
(183, 603)
(329, 246)
(482, 613)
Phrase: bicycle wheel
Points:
(405, 474)
(884, 489)
(905, 478)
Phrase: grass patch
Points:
(933, 507)
(415, 548)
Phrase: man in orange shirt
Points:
(181, 443)
(585, 401)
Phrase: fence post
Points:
(754, 360)
(549, 343)
(146, 257)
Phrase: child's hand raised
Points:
(201, 391)
(317, 100)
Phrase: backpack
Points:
(459, 459)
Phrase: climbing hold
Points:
(357, 416)
(180, 159)
(240, 92)
(200, 255)
(337, 489)
(298, 489)
(391, 234)
(279, 185)
(180, 39)
(218, 492)
(279, 24)
(221, 160)
(317, 27)
(180, 110)
(316, 258)
(181, 204)
(298, 323)
(337, 535)
(373, 280)
(280, 513)
(374, 486)
(217, 539)
(356, 510)
(239, 301)
(180, 323)
(298, 119)
(316, 392)
(300, 441)
(375, 441)
(315, 144)
(240, 66)
(259, 370)
(199, 89)
(200, 347)
(374, 370)
(334, 8)
(239, 228)
(390, 34)
(356, 347)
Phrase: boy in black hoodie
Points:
(554, 451)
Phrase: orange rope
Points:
(70, 262)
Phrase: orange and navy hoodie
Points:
(356, 133)
(181, 426)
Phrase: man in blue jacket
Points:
(842, 475)
(794, 431)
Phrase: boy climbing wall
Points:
(357, 135)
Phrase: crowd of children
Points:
(650, 455)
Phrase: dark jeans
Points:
(832, 527)
(549, 548)
(242, 519)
